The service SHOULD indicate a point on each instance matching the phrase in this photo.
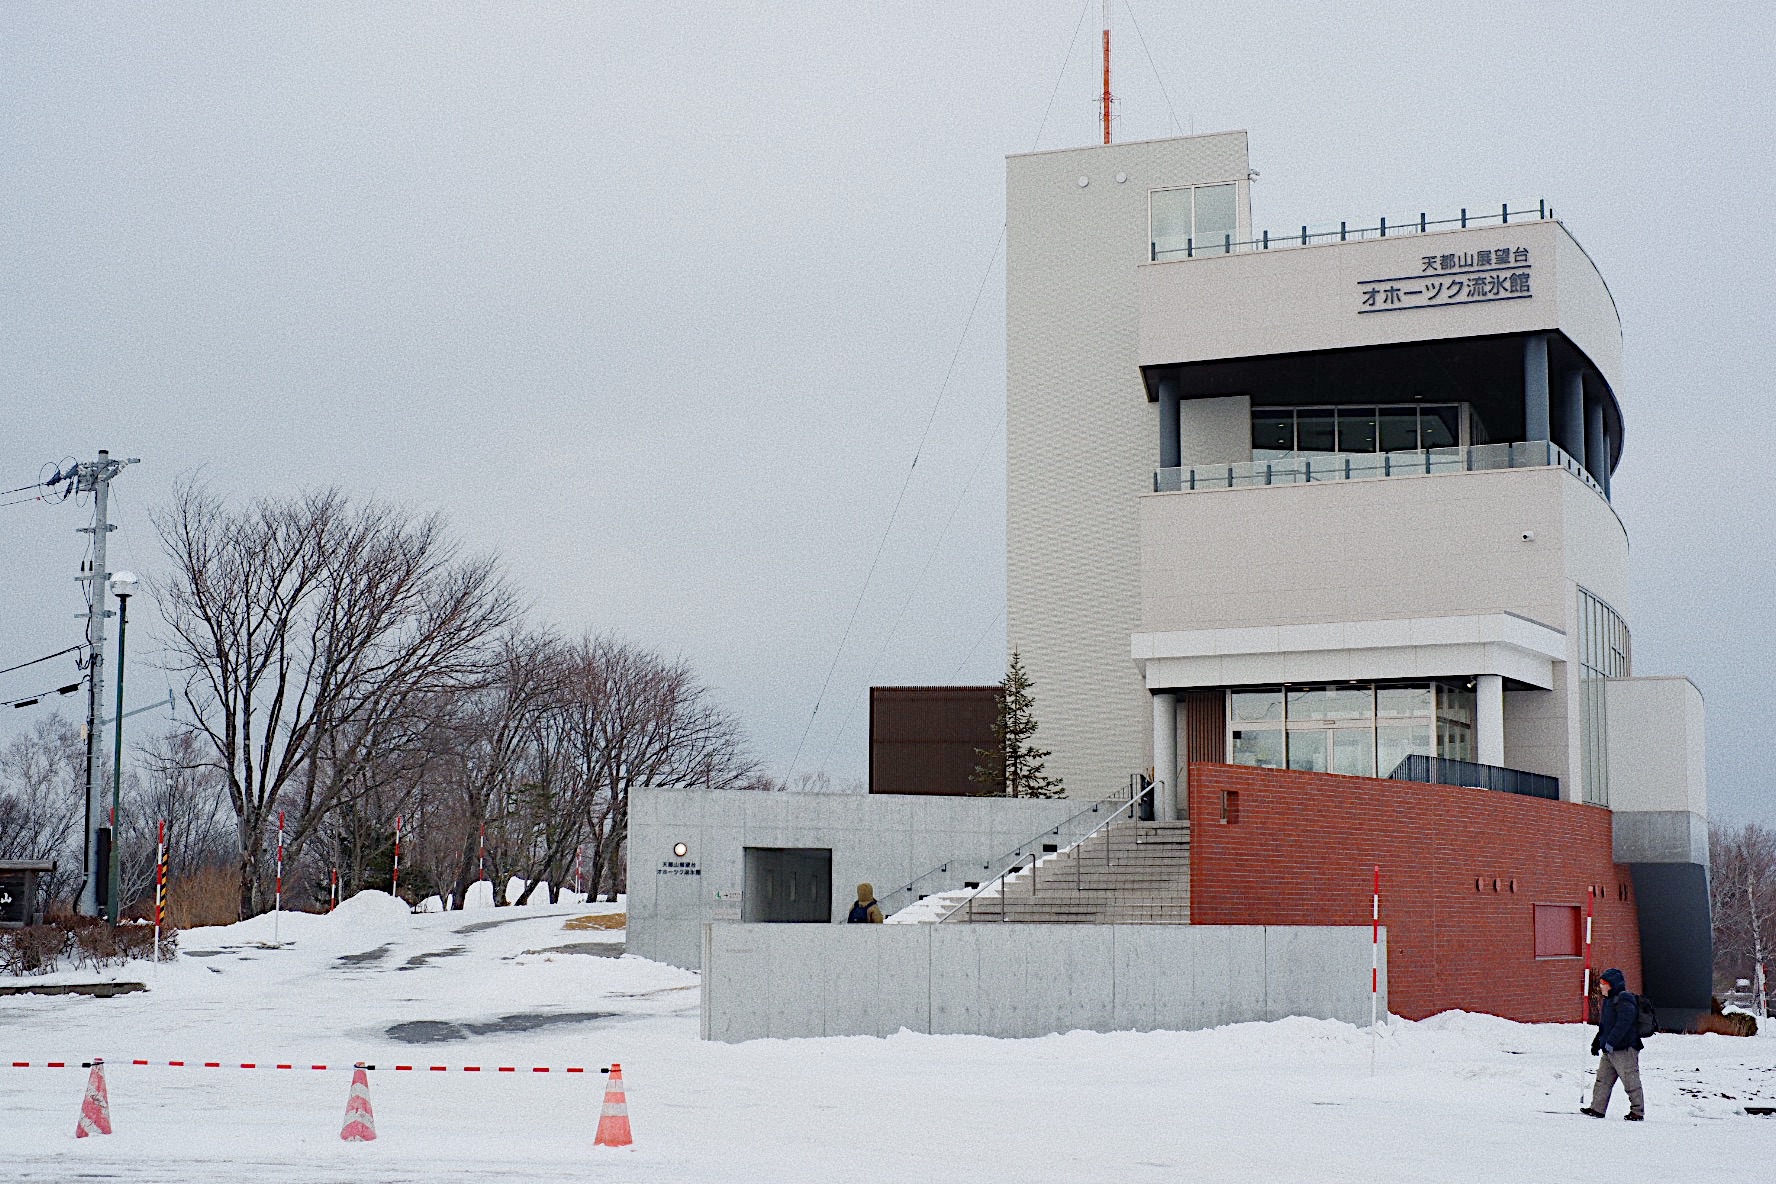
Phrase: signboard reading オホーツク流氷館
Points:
(1470, 277)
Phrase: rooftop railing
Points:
(1313, 468)
(1327, 232)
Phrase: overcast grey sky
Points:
(656, 299)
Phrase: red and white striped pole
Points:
(1374, 961)
(395, 880)
(333, 890)
(1585, 999)
(277, 898)
(481, 857)
(1375, 946)
(160, 884)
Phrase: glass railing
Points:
(1311, 234)
(1311, 468)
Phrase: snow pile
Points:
(929, 910)
(369, 909)
(479, 895)
(1458, 1097)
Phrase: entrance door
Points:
(1332, 730)
(788, 884)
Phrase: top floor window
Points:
(1279, 432)
(1197, 220)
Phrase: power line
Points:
(19, 501)
(899, 498)
(71, 649)
(57, 476)
(1176, 126)
(997, 617)
(912, 591)
(1060, 75)
(30, 700)
(924, 435)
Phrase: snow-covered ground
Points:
(1456, 1098)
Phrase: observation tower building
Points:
(1332, 500)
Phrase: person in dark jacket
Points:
(1617, 1045)
(865, 910)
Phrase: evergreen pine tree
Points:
(1014, 767)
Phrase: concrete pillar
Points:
(1572, 415)
(1596, 445)
(1168, 423)
(1489, 719)
(1535, 387)
(1165, 756)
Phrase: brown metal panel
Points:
(1204, 718)
(1205, 725)
(927, 740)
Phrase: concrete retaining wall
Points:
(1026, 980)
(889, 840)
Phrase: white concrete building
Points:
(1326, 499)
(1332, 505)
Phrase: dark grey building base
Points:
(1676, 937)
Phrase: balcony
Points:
(1313, 468)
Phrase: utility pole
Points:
(95, 477)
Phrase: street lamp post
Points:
(122, 585)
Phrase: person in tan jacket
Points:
(865, 910)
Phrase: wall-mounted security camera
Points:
(1529, 536)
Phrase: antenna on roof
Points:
(1105, 101)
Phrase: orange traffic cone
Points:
(95, 1108)
(360, 1120)
(613, 1124)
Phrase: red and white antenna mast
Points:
(1105, 101)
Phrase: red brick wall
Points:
(1302, 851)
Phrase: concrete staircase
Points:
(1130, 873)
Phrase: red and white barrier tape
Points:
(271, 1065)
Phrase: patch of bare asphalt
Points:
(443, 1031)
(598, 949)
(365, 957)
(478, 926)
(419, 960)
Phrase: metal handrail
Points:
(1015, 853)
(1350, 466)
(1016, 866)
(1266, 241)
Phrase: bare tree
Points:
(310, 630)
(179, 785)
(42, 796)
(489, 751)
(1742, 885)
(651, 722)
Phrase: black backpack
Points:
(860, 913)
(1646, 1019)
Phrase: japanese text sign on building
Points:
(678, 867)
(1470, 277)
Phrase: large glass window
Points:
(1358, 729)
(1217, 217)
(1604, 653)
(1279, 432)
(1200, 220)
(1256, 720)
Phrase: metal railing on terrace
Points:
(1442, 770)
(1312, 468)
(1327, 232)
